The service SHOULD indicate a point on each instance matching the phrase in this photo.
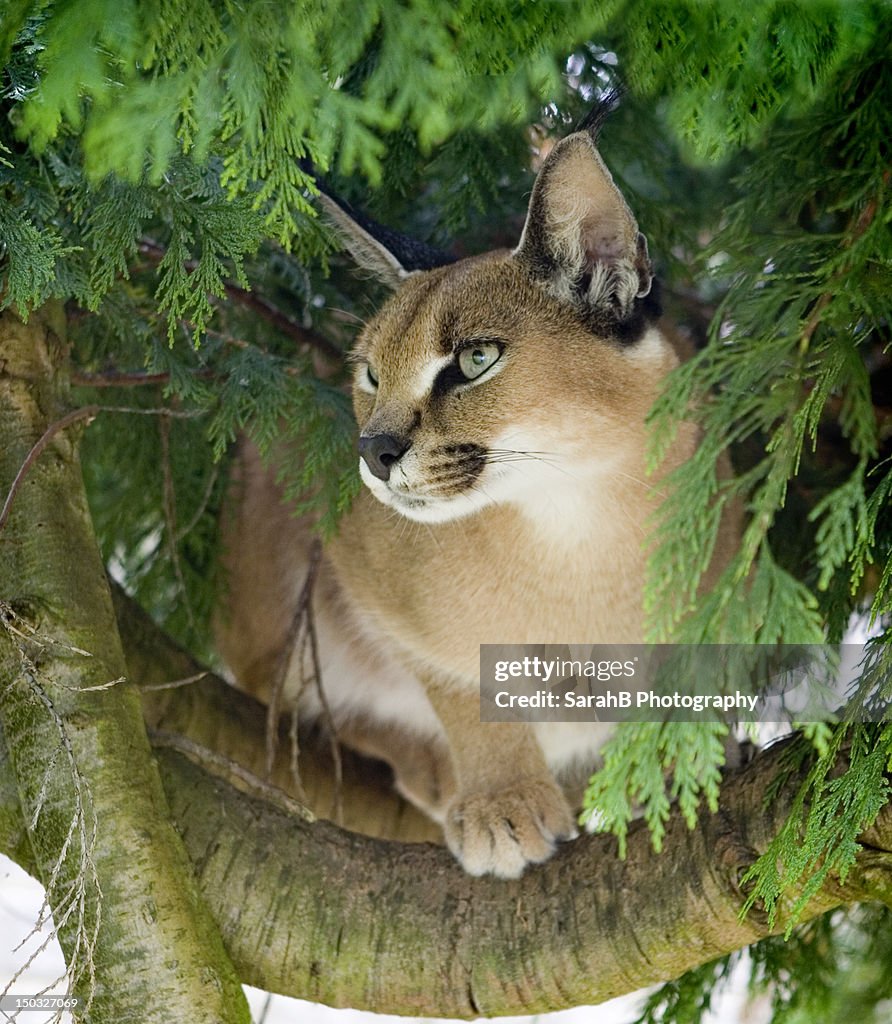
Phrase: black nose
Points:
(381, 452)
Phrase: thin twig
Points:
(170, 518)
(202, 505)
(219, 765)
(97, 688)
(73, 897)
(264, 1010)
(294, 747)
(135, 378)
(337, 800)
(857, 227)
(86, 412)
(171, 414)
(175, 684)
(11, 620)
(118, 379)
(290, 645)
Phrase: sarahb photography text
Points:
(656, 682)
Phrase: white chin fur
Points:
(421, 509)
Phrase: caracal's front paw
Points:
(500, 833)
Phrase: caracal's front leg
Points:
(422, 767)
(507, 810)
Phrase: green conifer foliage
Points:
(152, 175)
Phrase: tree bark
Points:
(311, 910)
(138, 940)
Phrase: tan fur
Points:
(548, 545)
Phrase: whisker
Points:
(347, 312)
(639, 481)
(482, 490)
(522, 451)
(507, 455)
(504, 456)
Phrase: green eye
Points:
(475, 359)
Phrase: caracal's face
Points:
(475, 386)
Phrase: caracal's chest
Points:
(496, 577)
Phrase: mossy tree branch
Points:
(312, 910)
(138, 939)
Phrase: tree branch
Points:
(399, 928)
(262, 307)
(583, 928)
(87, 412)
(123, 379)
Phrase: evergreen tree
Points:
(157, 210)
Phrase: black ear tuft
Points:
(389, 255)
(601, 109)
(410, 252)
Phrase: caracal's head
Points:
(504, 376)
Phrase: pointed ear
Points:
(580, 237)
(369, 253)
